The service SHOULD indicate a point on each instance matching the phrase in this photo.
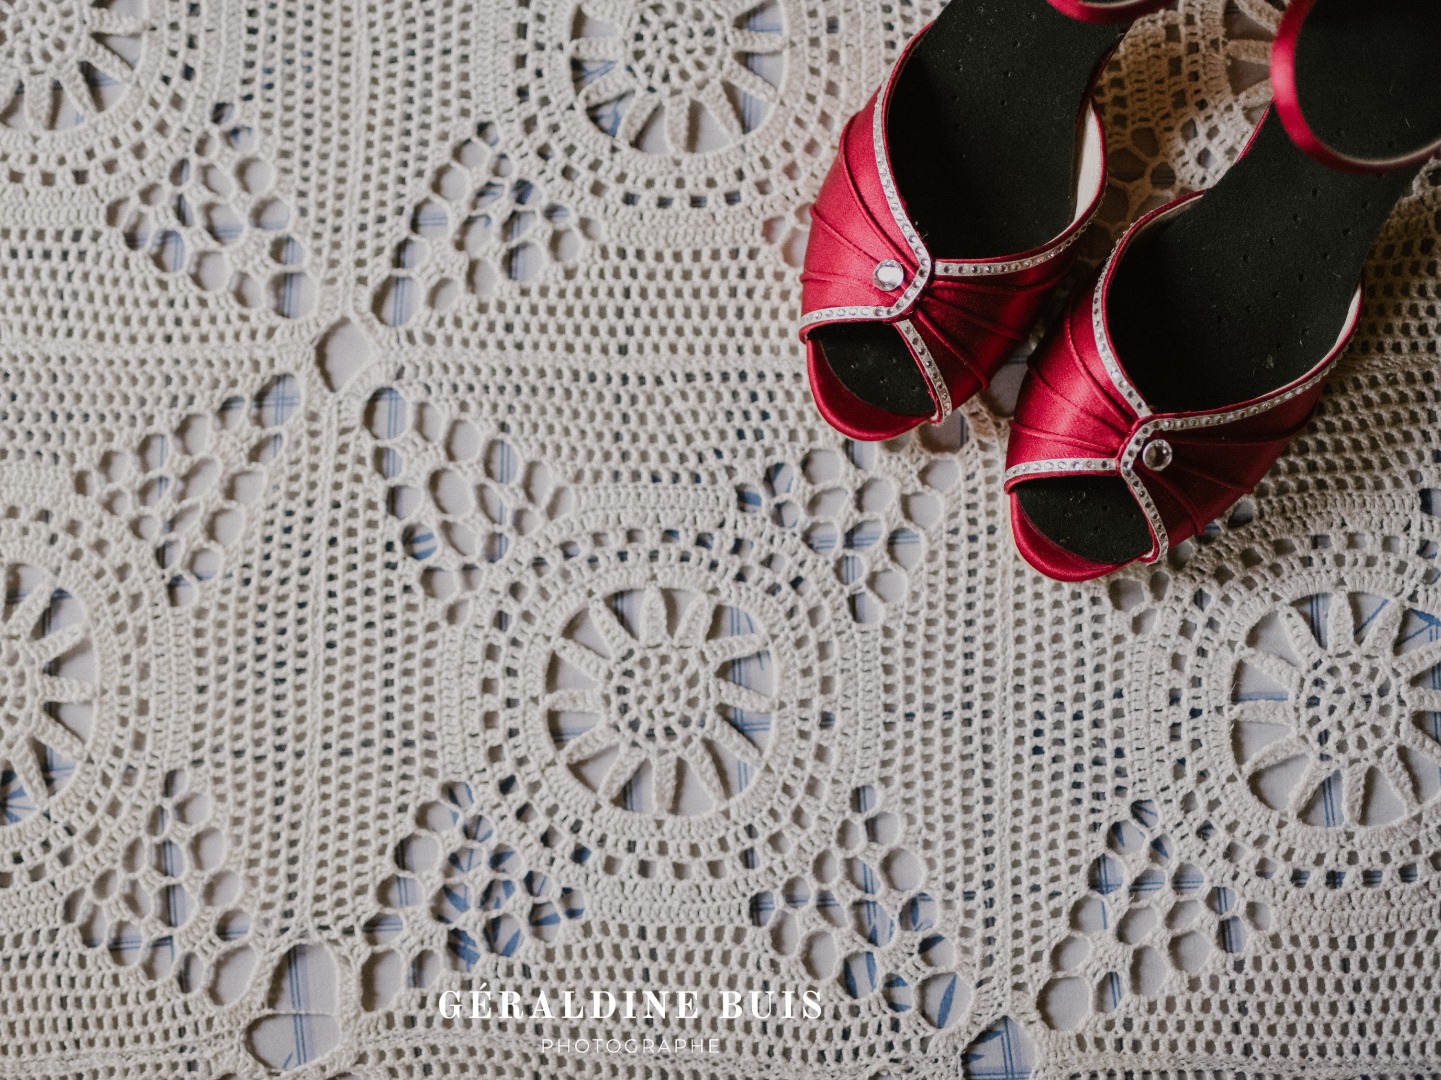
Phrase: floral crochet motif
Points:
(168, 908)
(465, 497)
(1147, 919)
(1304, 704)
(867, 923)
(464, 891)
(218, 220)
(173, 488)
(483, 229)
(737, 724)
(874, 514)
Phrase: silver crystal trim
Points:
(1103, 345)
(1138, 442)
(939, 390)
(1060, 465)
(893, 198)
(1086, 212)
(1143, 435)
(898, 214)
(1098, 313)
(1160, 537)
(953, 269)
(840, 314)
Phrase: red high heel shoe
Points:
(1181, 373)
(951, 211)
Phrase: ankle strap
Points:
(1099, 11)
(1287, 97)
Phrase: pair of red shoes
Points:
(1179, 374)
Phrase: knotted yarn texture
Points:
(425, 570)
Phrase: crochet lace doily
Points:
(426, 570)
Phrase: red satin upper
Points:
(1074, 417)
(969, 324)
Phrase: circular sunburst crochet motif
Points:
(652, 74)
(658, 703)
(44, 715)
(62, 64)
(1339, 708)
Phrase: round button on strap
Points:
(889, 276)
(1158, 455)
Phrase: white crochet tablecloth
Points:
(426, 571)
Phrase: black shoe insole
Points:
(982, 133)
(1248, 289)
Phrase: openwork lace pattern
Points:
(424, 569)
